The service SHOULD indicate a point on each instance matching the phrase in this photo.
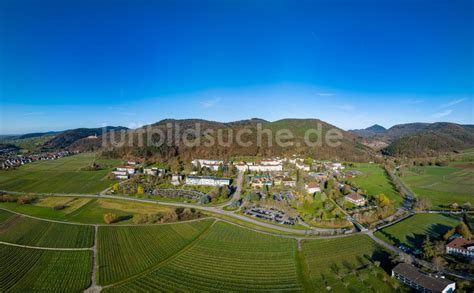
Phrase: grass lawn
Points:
(59, 176)
(443, 185)
(33, 270)
(375, 180)
(413, 231)
(225, 258)
(343, 263)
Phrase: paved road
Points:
(215, 210)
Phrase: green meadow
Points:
(64, 175)
(443, 185)
(84, 210)
(375, 181)
(412, 232)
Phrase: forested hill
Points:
(350, 147)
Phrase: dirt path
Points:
(44, 248)
(94, 287)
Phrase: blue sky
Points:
(68, 64)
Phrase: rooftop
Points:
(413, 274)
(460, 243)
(355, 196)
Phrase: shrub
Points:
(25, 199)
(110, 218)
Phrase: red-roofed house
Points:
(461, 246)
(355, 198)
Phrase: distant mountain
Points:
(66, 138)
(38, 134)
(426, 140)
(369, 131)
(350, 147)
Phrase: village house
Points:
(213, 165)
(318, 176)
(176, 179)
(242, 167)
(355, 198)
(302, 166)
(462, 247)
(131, 170)
(334, 166)
(120, 174)
(412, 277)
(207, 181)
(260, 181)
(312, 187)
(265, 168)
(289, 182)
(153, 171)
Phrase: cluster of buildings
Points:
(272, 165)
(12, 161)
(133, 167)
(279, 179)
(212, 165)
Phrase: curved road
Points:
(215, 210)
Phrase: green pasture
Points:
(64, 175)
(443, 185)
(375, 181)
(412, 232)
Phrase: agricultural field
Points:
(32, 232)
(84, 210)
(411, 232)
(29, 270)
(225, 258)
(147, 246)
(443, 185)
(375, 181)
(341, 263)
(64, 175)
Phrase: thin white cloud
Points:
(325, 94)
(453, 102)
(127, 113)
(413, 101)
(347, 107)
(34, 114)
(210, 103)
(442, 114)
